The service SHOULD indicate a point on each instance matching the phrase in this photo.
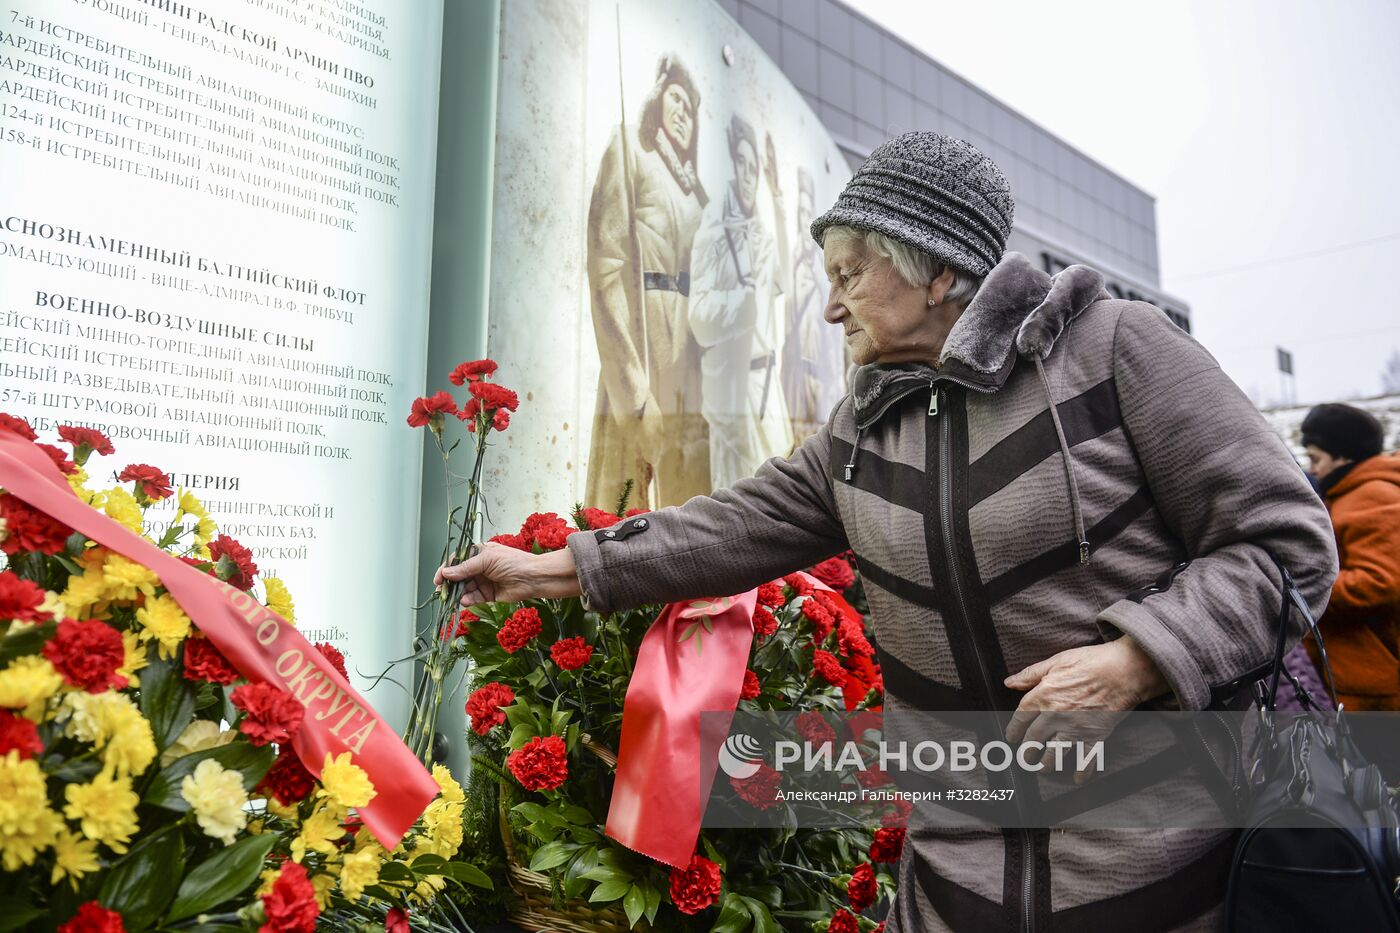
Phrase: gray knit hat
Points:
(934, 193)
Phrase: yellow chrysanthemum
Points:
(121, 506)
(345, 783)
(105, 809)
(196, 737)
(134, 660)
(187, 503)
(428, 889)
(27, 684)
(266, 879)
(279, 599)
(322, 885)
(359, 871)
(53, 604)
(27, 825)
(442, 822)
(74, 857)
(216, 796)
(450, 790)
(319, 833)
(112, 723)
(125, 578)
(86, 594)
(164, 620)
(77, 481)
(3, 533)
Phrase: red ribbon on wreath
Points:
(691, 660)
(260, 644)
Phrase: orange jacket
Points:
(1361, 626)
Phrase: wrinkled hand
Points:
(498, 574)
(1067, 689)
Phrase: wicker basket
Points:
(536, 911)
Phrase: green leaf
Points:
(574, 881)
(520, 735)
(610, 890)
(770, 894)
(15, 914)
(634, 904)
(713, 854)
(558, 720)
(606, 873)
(29, 641)
(733, 916)
(249, 760)
(530, 811)
(763, 921)
(221, 877)
(428, 864)
(576, 814)
(690, 630)
(166, 698)
(142, 882)
(653, 896)
(392, 871)
(519, 713)
(465, 873)
(552, 855)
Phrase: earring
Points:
(932, 302)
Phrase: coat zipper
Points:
(945, 500)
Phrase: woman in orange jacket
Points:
(1361, 626)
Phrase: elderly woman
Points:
(1019, 456)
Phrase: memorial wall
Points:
(655, 295)
(215, 223)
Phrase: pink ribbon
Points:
(691, 660)
(260, 644)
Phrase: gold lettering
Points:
(356, 740)
(267, 631)
(303, 678)
(281, 662)
(335, 705)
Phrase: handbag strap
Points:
(1293, 600)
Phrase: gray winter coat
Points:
(993, 531)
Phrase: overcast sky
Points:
(1269, 132)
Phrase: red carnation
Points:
(821, 618)
(476, 369)
(546, 530)
(150, 482)
(851, 637)
(59, 458)
(516, 541)
(287, 779)
(500, 420)
(898, 816)
(18, 734)
(20, 599)
(274, 715)
(771, 595)
(92, 917)
(887, 845)
(798, 584)
(484, 706)
(828, 667)
(815, 729)
(696, 886)
(835, 573)
(593, 519)
(430, 409)
(873, 777)
(522, 626)
(396, 921)
(28, 529)
(17, 425)
(291, 904)
(843, 922)
(233, 562)
(861, 890)
(760, 789)
(571, 653)
(204, 662)
(764, 622)
(459, 628)
(494, 396)
(751, 688)
(540, 764)
(879, 927)
(332, 654)
(85, 442)
(88, 655)
(198, 563)
(631, 512)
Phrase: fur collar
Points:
(1019, 310)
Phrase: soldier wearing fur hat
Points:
(1361, 627)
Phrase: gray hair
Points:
(915, 267)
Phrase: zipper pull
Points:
(933, 402)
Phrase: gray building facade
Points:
(867, 85)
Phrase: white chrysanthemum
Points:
(217, 797)
(198, 736)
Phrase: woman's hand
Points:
(504, 574)
(1113, 677)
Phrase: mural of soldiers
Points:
(814, 357)
(737, 314)
(646, 204)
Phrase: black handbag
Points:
(1320, 849)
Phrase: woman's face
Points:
(746, 175)
(677, 116)
(886, 319)
(1321, 463)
